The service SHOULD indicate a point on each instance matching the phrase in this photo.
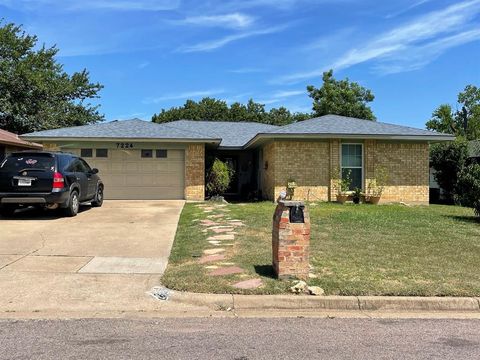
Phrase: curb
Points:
(339, 303)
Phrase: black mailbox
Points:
(296, 214)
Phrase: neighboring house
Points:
(474, 151)
(144, 160)
(11, 142)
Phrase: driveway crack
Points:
(44, 240)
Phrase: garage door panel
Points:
(128, 176)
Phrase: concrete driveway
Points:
(120, 248)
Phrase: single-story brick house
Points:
(11, 142)
(144, 160)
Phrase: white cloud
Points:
(218, 43)
(423, 34)
(143, 64)
(184, 96)
(419, 56)
(247, 70)
(282, 95)
(233, 20)
(70, 5)
(407, 9)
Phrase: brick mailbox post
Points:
(291, 240)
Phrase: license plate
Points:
(24, 182)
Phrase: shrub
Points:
(219, 177)
(468, 187)
(448, 159)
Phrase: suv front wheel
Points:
(98, 201)
(73, 204)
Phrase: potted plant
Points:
(357, 195)
(376, 186)
(344, 187)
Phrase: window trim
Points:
(101, 157)
(161, 157)
(86, 156)
(146, 157)
(353, 167)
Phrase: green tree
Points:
(219, 177)
(465, 121)
(468, 187)
(35, 92)
(448, 160)
(341, 97)
(218, 110)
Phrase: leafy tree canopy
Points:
(463, 122)
(218, 110)
(448, 160)
(341, 97)
(35, 92)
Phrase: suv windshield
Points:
(28, 162)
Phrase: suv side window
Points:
(85, 165)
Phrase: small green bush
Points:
(468, 187)
(219, 177)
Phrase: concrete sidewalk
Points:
(31, 295)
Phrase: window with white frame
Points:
(352, 164)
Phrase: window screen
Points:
(101, 153)
(161, 153)
(147, 153)
(86, 153)
(352, 164)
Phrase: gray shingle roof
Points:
(233, 134)
(341, 125)
(474, 148)
(238, 134)
(135, 129)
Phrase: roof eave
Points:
(130, 139)
(428, 138)
(21, 144)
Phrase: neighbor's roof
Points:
(233, 134)
(242, 134)
(474, 148)
(125, 129)
(12, 139)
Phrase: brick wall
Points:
(313, 165)
(307, 162)
(407, 165)
(195, 172)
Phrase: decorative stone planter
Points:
(374, 200)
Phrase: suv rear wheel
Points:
(7, 210)
(73, 204)
(98, 201)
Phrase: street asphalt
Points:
(240, 339)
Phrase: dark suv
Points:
(47, 179)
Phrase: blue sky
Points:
(154, 54)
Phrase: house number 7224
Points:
(124, 145)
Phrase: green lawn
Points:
(355, 250)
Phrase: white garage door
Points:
(127, 175)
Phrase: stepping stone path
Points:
(222, 237)
(248, 284)
(221, 230)
(223, 227)
(226, 271)
(211, 258)
(208, 222)
(213, 251)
